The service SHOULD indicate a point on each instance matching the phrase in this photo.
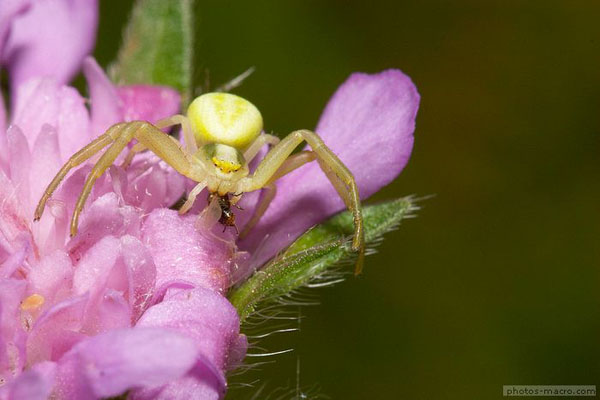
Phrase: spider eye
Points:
(225, 118)
(226, 158)
(226, 165)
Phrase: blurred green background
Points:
(496, 281)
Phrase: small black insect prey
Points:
(227, 216)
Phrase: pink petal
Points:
(14, 225)
(70, 383)
(52, 277)
(57, 214)
(16, 259)
(111, 104)
(112, 311)
(20, 161)
(12, 292)
(105, 216)
(148, 103)
(184, 254)
(73, 122)
(50, 39)
(8, 12)
(106, 105)
(203, 315)
(45, 163)
(369, 123)
(56, 330)
(123, 266)
(95, 267)
(237, 352)
(141, 274)
(213, 323)
(111, 363)
(44, 101)
(153, 183)
(200, 383)
(35, 383)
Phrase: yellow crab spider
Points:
(222, 134)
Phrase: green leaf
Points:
(158, 46)
(314, 253)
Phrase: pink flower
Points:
(71, 309)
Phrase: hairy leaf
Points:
(313, 253)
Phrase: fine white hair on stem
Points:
(273, 353)
(278, 314)
(298, 298)
(295, 393)
(238, 385)
(235, 82)
(246, 367)
(258, 392)
(264, 335)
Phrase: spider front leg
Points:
(274, 166)
(146, 134)
(191, 145)
(77, 159)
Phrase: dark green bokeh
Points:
(497, 280)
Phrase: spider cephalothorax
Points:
(222, 135)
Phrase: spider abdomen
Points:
(225, 118)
